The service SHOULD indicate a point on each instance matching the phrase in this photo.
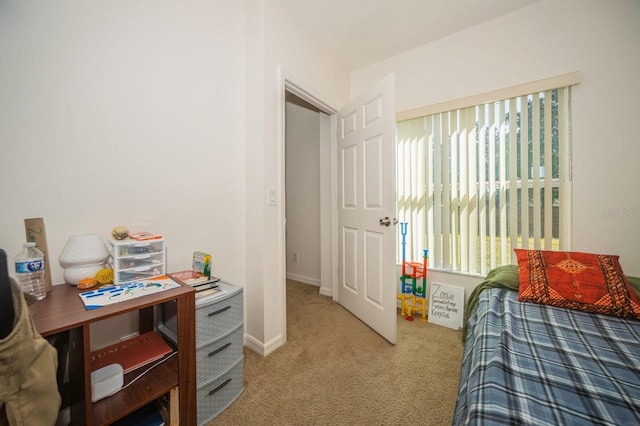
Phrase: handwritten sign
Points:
(446, 305)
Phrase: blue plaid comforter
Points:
(529, 364)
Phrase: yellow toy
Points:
(105, 276)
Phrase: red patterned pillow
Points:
(583, 281)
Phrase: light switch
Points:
(272, 197)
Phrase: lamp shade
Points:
(73, 274)
(84, 250)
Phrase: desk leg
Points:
(186, 307)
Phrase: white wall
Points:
(597, 38)
(125, 113)
(303, 194)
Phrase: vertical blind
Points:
(477, 182)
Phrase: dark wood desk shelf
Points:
(62, 313)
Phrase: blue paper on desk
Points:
(109, 295)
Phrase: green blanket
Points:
(507, 277)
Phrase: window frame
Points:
(564, 81)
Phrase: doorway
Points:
(308, 194)
(375, 300)
(302, 186)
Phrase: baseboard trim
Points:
(260, 348)
(302, 279)
(326, 291)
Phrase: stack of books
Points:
(205, 286)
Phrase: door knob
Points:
(386, 221)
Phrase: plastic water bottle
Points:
(30, 270)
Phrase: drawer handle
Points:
(219, 311)
(225, 383)
(220, 349)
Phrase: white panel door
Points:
(366, 194)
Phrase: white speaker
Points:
(106, 381)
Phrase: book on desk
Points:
(192, 278)
(205, 286)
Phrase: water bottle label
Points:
(32, 265)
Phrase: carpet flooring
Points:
(334, 370)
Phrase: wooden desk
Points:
(62, 314)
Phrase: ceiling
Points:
(361, 32)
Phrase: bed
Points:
(538, 364)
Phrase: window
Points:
(476, 182)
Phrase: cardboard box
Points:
(34, 229)
(202, 263)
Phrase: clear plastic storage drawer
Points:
(134, 260)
